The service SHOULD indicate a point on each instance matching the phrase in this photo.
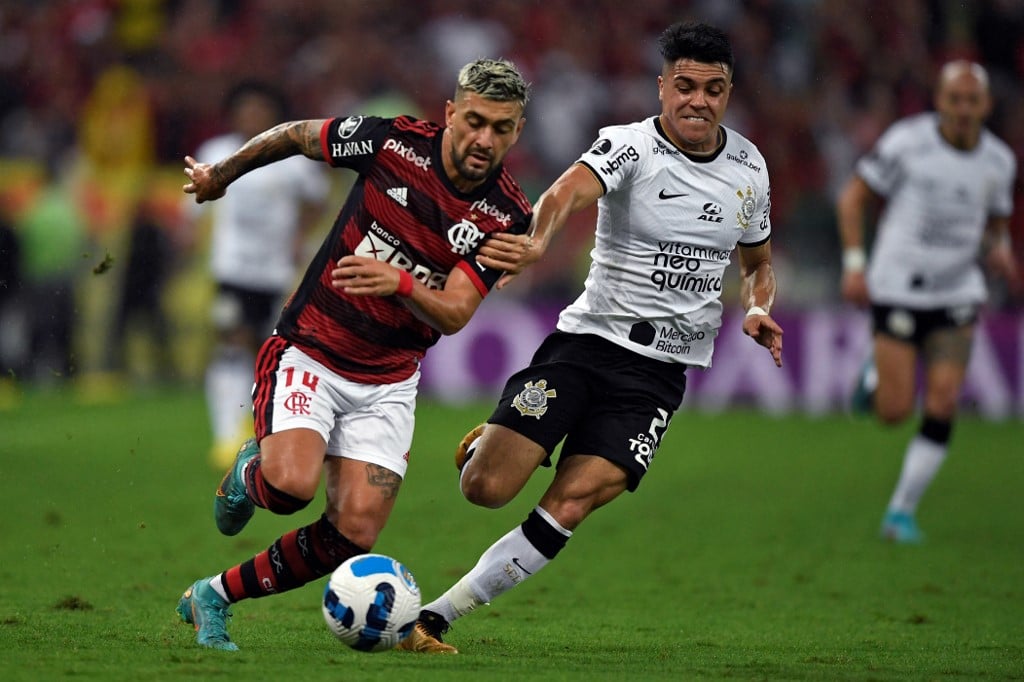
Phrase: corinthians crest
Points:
(747, 206)
(532, 401)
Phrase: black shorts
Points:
(916, 325)
(602, 399)
(236, 307)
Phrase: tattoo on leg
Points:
(385, 479)
(949, 346)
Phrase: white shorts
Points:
(366, 422)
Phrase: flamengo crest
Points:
(464, 236)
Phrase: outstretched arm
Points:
(576, 189)
(210, 181)
(757, 292)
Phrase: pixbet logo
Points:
(492, 211)
(406, 153)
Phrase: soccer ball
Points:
(371, 602)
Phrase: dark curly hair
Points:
(697, 41)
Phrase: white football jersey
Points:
(256, 223)
(938, 199)
(666, 227)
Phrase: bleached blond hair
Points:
(494, 79)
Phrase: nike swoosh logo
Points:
(515, 560)
(663, 195)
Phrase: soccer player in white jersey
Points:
(947, 185)
(257, 234)
(676, 193)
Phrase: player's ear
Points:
(449, 113)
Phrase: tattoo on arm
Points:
(279, 142)
(385, 479)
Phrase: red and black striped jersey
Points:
(402, 210)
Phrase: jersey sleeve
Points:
(614, 158)
(760, 223)
(353, 142)
(881, 168)
(754, 214)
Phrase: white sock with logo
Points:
(229, 380)
(505, 564)
(921, 463)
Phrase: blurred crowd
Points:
(101, 99)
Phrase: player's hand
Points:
(854, 287)
(361, 276)
(767, 332)
(204, 182)
(509, 252)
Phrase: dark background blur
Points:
(101, 99)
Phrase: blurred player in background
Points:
(257, 234)
(336, 384)
(675, 194)
(947, 184)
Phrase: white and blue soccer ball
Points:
(371, 602)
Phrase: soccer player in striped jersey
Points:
(675, 193)
(336, 383)
(947, 186)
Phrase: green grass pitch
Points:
(749, 553)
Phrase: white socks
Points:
(218, 586)
(921, 463)
(505, 564)
(229, 380)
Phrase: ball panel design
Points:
(371, 602)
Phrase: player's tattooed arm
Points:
(279, 142)
(210, 181)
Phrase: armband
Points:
(404, 288)
(756, 310)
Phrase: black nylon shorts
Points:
(600, 398)
(915, 325)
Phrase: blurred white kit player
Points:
(938, 201)
(257, 235)
(947, 184)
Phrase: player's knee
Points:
(892, 412)
(359, 529)
(483, 490)
(941, 405)
(293, 484)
